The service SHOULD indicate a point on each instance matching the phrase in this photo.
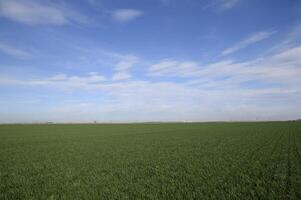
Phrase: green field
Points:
(151, 161)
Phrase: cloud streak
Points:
(281, 69)
(171, 67)
(122, 68)
(33, 12)
(125, 15)
(167, 101)
(254, 38)
(119, 76)
(215, 91)
(13, 51)
(228, 4)
(222, 5)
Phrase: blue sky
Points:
(149, 60)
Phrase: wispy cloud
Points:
(291, 38)
(125, 15)
(13, 51)
(94, 2)
(223, 100)
(228, 4)
(280, 69)
(254, 38)
(214, 92)
(119, 76)
(165, 2)
(92, 77)
(122, 68)
(222, 5)
(126, 62)
(94, 57)
(169, 67)
(34, 12)
(62, 81)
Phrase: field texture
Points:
(151, 161)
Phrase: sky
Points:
(149, 60)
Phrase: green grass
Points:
(151, 161)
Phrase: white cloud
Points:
(61, 81)
(293, 34)
(119, 63)
(94, 3)
(165, 2)
(122, 68)
(228, 4)
(280, 69)
(167, 101)
(34, 12)
(222, 5)
(13, 51)
(126, 62)
(174, 68)
(256, 37)
(121, 76)
(59, 77)
(124, 15)
(66, 82)
(212, 92)
(292, 55)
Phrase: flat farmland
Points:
(244, 160)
